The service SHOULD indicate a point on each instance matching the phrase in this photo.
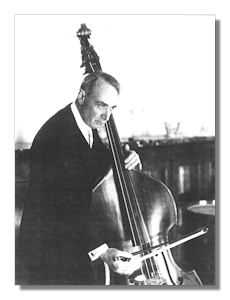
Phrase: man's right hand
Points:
(120, 262)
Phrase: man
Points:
(67, 158)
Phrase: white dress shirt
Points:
(84, 128)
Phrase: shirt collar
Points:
(84, 128)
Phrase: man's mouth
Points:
(100, 123)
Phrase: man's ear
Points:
(81, 96)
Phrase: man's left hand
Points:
(132, 160)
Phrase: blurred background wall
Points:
(165, 64)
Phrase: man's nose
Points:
(106, 114)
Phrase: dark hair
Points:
(90, 81)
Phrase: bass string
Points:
(123, 188)
(153, 262)
(129, 193)
(120, 176)
(123, 181)
(150, 261)
(132, 196)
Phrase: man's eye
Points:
(100, 105)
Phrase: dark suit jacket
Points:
(53, 238)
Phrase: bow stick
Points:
(155, 250)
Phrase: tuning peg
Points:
(83, 31)
(82, 65)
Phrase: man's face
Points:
(97, 107)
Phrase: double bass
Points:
(132, 211)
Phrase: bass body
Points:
(110, 223)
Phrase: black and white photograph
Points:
(115, 150)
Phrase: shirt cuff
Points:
(96, 253)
